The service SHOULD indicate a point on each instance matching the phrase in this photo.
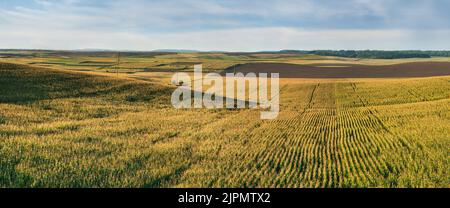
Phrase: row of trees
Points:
(376, 54)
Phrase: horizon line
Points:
(210, 51)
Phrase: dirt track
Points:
(417, 69)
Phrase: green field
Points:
(61, 126)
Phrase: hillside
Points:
(67, 129)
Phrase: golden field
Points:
(74, 122)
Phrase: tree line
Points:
(375, 54)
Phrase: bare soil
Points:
(415, 69)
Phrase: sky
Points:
(225, 25)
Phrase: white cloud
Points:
(225, 25)
(251, 39)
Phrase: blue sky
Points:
(232, 25)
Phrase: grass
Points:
(68, 129)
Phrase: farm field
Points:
(413, 69)
(131, 63)
(71, 121)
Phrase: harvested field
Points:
(416, 69)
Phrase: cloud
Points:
(225, 24)
(249, 39)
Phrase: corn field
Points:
(76, 130)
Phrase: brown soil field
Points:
(416, 69)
